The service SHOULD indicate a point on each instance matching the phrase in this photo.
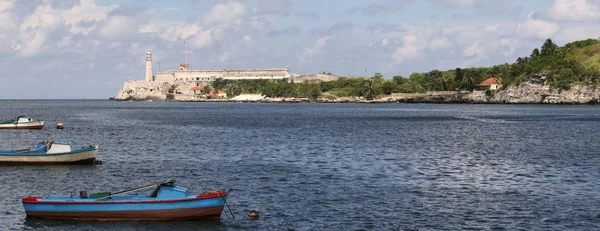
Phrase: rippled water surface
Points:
(325, 166)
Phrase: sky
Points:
(74, 49)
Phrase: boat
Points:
(22, 122)
(50, 152)
(166, 201)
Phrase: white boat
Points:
(50, 152)
(22, 122)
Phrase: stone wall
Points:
(211, 75)
(319, 77)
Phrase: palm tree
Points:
(469, 80)
(370, 88)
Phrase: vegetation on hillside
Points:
(574, 63)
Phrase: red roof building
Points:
(490, 83)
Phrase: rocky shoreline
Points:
(528, 92)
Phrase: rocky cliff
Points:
(143, 90)
(528, 92)
(533, 93)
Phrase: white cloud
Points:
(410, 49)
(491, 28)
(6, 5)
(537, 28)
(511, 44)
(35, 29)
(456, 2)
(574, 10)
(314, 51)
(118, 27)
(224, 12)
(201, 39)
(180, 31)
(440, 44)
(86, 12)
(578, 31)
(385, 42)
(149, 28)
(474, 49)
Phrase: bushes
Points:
(488, 92)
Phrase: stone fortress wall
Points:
(319, 77)
(206, 76)
(180, 82)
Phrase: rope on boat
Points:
(219, 195)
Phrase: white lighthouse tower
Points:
(149, 66)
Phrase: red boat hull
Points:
(168, 214)
(28, 127)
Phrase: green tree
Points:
(219, 83)
(388, 87)
(458, 76)
(309, 90)
(370, 88)
(378, 75)
(548, 48)
(469, 81)
(535, 53)
(399, 79)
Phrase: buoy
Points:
(60, 126)
(253, 213)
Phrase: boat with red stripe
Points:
(22, 122)
(166, 201)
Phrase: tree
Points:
(458, 76)
(378, 75)
(370, 88)
(535, 53)
(309, 90)
(219, 83)
(400, 80)
(469, 81)
(548, 48)
(388, 87)
(206, 89)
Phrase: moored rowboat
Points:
(166, 202)
(50, 152)
(22, 122)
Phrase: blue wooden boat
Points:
(166, 202)
(50, 152)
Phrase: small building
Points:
(198, 90)
(221, 94)
(490, 83)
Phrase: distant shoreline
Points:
(417, 100)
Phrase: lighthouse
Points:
(149, 66)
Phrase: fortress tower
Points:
(149, 66)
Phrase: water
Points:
(325, 166)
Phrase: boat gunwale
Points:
(75, 151)
(211, 195)
(15, 122)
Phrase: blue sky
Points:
(54, 49)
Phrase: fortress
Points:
(205, 77)
(180, 82)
